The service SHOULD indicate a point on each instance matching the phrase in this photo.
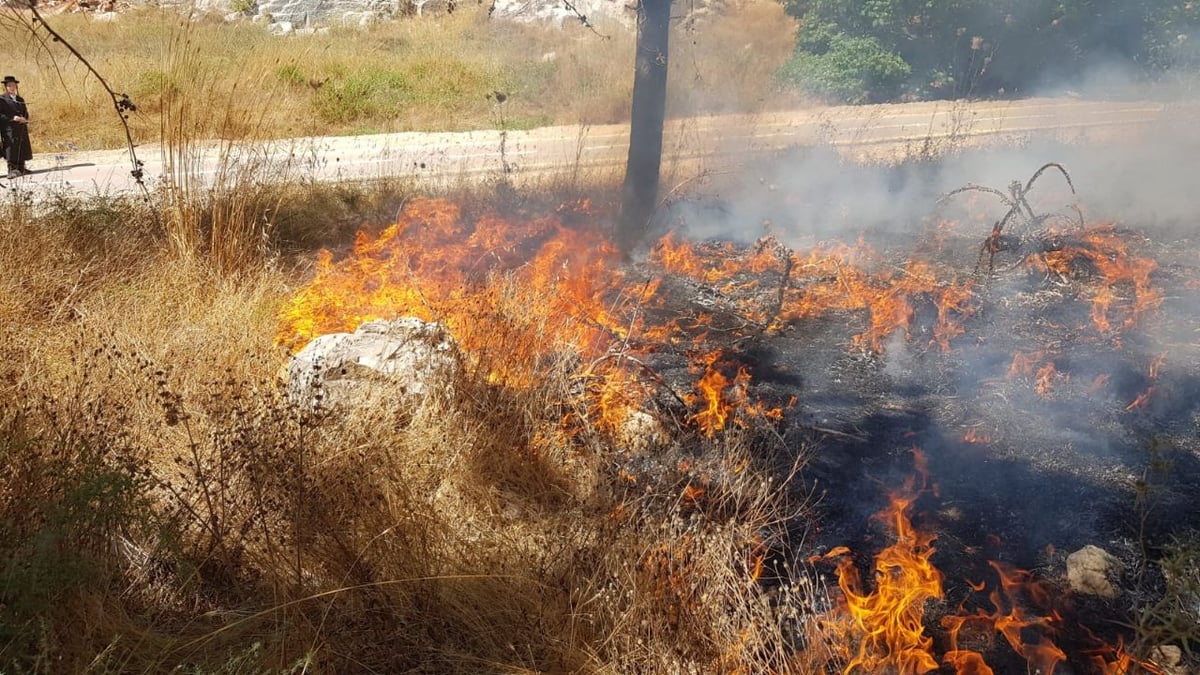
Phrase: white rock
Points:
(105, 17)
(1091, 570)
(406, 357)
(640, 431)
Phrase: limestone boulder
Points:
(406, 358)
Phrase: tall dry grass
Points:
(165, 506)
(430, 73)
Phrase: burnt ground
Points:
(1046, 473)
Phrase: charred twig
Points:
(621, 356)
(1020, 212)
(834, 432)
(785, 254)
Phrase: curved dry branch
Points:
(1008, 201)
(1055, 165)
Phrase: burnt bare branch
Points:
(1032, 234)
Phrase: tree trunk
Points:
(640, 193)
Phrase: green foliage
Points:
(1174, 618)
(155, 84)
(291, 74)
(383, 93)
(365, 94)
(65, 500)
(851, 70)
(978, 47)
(439, 79)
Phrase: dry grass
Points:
(424, 74)
(166, 506)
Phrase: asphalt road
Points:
(432, 160)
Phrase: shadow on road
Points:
(62, 167)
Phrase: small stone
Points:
(1169, 658)
(640, 431)
(1091, 571)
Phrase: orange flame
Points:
(889, 619)
(1156, 366)
(973, 436)
(720, 398)
(1044, 379)
(1142, 399)
(888, 624)
(1122, 276)
(1023, 363)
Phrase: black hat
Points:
(10, 78)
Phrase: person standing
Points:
(14, 127)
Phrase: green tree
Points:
(865, 50)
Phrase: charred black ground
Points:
(1019, 476)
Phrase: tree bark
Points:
(639, 195)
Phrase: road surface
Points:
(435, 160)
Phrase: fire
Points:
(1023, 363)
(517, 295)
(889, 620)
(1045, 376)
(723, 400)
(1122, 278)
(1024, 632)
(973, 436)
(1142, 399)
(1152, 372)
(887, 624)
(434, 265)
(1156, 366)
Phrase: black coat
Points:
(16, 136)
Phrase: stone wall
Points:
(290, 15)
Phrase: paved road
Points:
(578, 153)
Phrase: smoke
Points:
(1138, 177)
(1073, 451)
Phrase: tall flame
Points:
(890, 617)
(888, 622)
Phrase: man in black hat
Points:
(14, 129)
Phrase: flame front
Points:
(889, 620)
(437, 265)
(1122, 275)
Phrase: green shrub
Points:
(155, 84)
(980, 48)
(851, 70)
(291, 74)
(66, 500)
(1174, 617)
(363, 95)
(441, 80)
